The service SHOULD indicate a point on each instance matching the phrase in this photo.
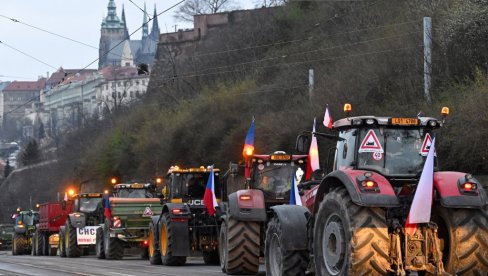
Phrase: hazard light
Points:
(347, 108)
(469, 188)
(176, 211)
(245, 197)
(71, 192)
(445, 111)
(145, 242)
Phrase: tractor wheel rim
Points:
(151, 243)
(276, 258)
(164, 240)
(66, 239)
(334, 245)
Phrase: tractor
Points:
(78, 235)
(185, 227)
(268, 181)
(385, 208)
(25, 225)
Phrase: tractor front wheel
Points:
(349, 239)
(464, 239)
(153, 250)
(223, 246)
(113, 247)
(19, 244)
(61, 245)
(242, 247)
(278, 260)
(100, 252)
(166, 243)
(70, 242)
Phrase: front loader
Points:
(360, 219)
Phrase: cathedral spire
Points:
(145, 29)
(126, 30)
(155, 27)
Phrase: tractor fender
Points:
(20, 230)
(447, 185)
(78, 220)
(351, 179)
(184, 213)
(252, 209)
(293, 222)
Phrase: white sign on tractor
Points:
(86, 235)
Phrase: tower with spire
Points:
(117, 48)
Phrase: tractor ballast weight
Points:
(359, 212)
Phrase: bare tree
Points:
(195, 7)
(271, 3)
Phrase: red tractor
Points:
(353, 221)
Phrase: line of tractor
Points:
(382, 207)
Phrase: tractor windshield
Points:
(134, 193)
(391, 151)
(90, 204)
(192, 185)
(30, 218)
(274, 179)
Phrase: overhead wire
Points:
(25, 54)
(105, 54)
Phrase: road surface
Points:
(90, 265)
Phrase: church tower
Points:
(126, 30)
(155, 27)
(113, 29)
(145, 28)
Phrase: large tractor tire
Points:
(464, 239)
(61, 245)
(349, 239)
(99, 247)
(33, 244)
(46, 247)
(278, 260)
(166, 243)
(223, 246)
(113, 247)
(153, 249)
(19, 244)
(242, 247)
(211, 257)
(70, 241)
(37, 243)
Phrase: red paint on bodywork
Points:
(446, 183)
(308, 198)
(383, 183)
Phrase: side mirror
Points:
(303, 144)
(234, 168)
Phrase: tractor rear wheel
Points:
(33, 244)
(99, 248)
(46, 248)
(349, 239)
(70, 243)
(19, 244)
(153, 250)
(211, 257)
(243, 247)
(464, 239)
(278, 260)
(37, 243)
(166, 243)
(113, 247)
(61, 246)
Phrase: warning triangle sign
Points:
(147, 212)
(370, 143)
(424, 150)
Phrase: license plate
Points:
(405, 121)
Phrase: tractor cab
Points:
(188, 185)
(393, 147)
(88, 202)
(273, 174)
(135, 190)
(26, 220)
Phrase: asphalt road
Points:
(90, 265)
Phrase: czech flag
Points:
(294, 196)
(209, 197)
(327, 118)
(107, 211)
(249, 143)
(313, 163)
(422, 200)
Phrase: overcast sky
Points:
(76, 19)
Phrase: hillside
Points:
(369, 53)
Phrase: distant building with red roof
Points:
(18, 97)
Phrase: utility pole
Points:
(311, 82)
(427, 58)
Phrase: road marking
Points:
(121, 274)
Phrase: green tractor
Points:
(25, 225)
(6, 235)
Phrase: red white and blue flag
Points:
(313, 163)
(209, 198)
(327, 118)
(249, 143)
(294, 195)
(107, 209)
(422, 201)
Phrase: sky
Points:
(79, 20)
